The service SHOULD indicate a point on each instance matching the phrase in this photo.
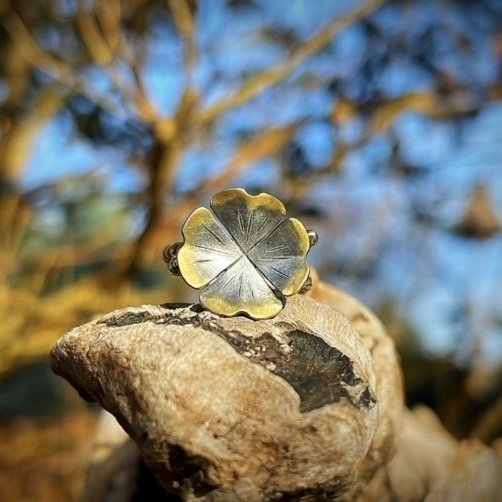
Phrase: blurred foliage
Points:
(371, 120)
(45, 460)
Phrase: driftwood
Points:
(305, 406)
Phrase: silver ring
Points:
(244, 254)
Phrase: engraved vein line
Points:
(279, 247)
(275, 258)
(240, 220)
(213, 250)
(240, 284)
(215, 235)
(223, 286)
(266, 236)
(265, 220)
(279, 272)
(249, 225)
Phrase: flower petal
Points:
(241, 288)
(247, 218)
(281, 257)
(208, 248)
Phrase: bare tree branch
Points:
(269, 142)
(54, 68)
(263, 81)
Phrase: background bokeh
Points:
(379, 123)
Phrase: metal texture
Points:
(244, 254)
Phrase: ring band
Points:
(244, 254)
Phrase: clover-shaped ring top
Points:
(244, 254)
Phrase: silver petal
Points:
(248, 219)
(208, 248)
(281, 256)
(241, 288)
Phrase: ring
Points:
(244, 254)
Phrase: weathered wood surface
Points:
(305, 406)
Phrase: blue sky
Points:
(428, 271)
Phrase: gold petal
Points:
(208, 248)
(247, 218)
(241, 288)
(281, 256)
